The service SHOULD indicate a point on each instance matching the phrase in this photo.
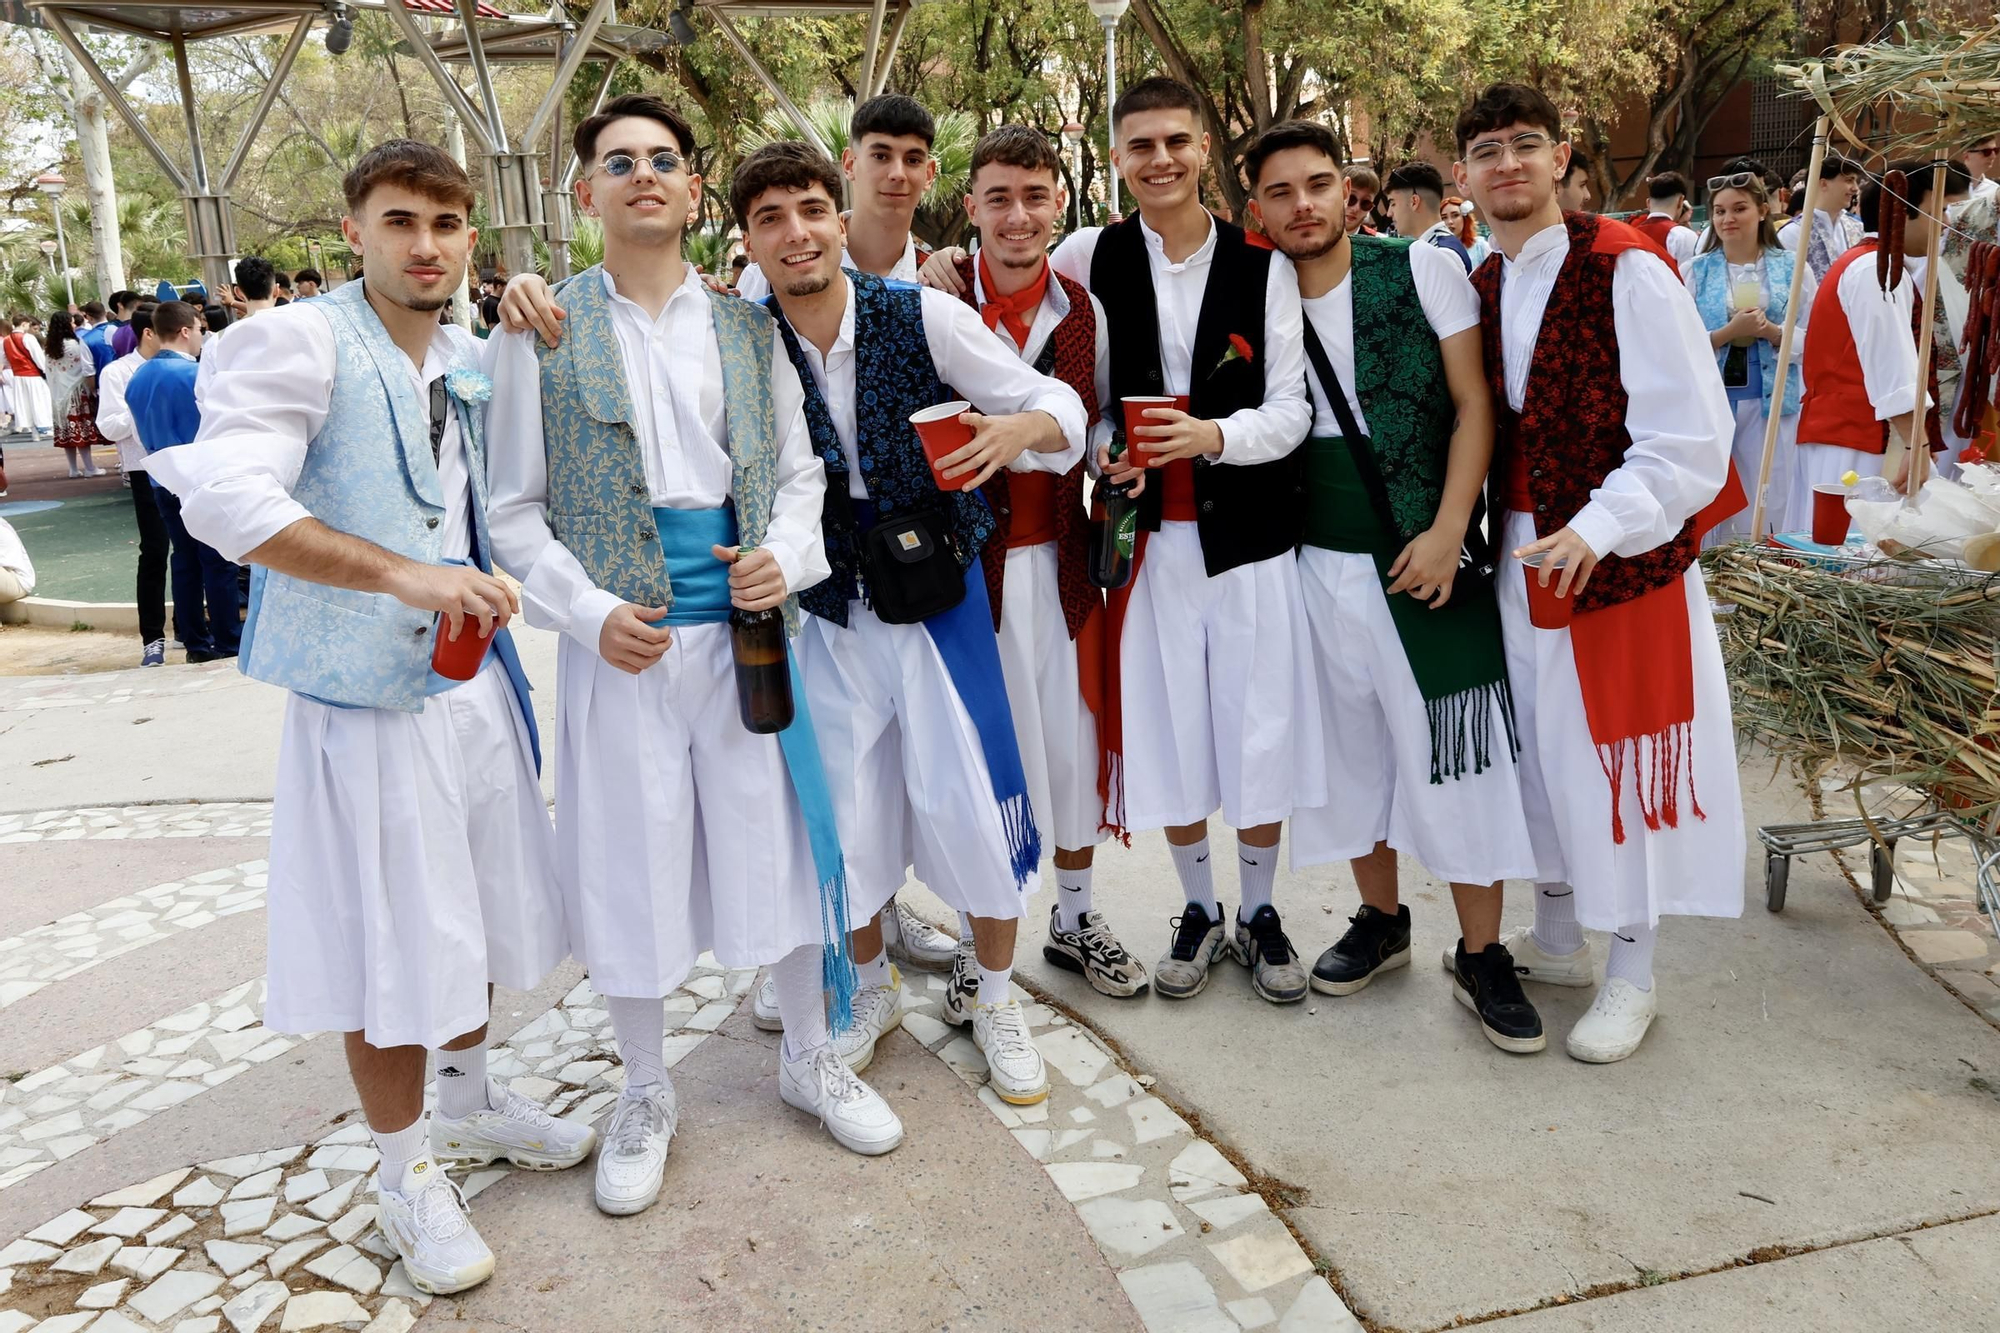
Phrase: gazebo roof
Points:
(522, 43)
(197, 20)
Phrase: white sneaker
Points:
(878, 1010)
(764, 1008)
(1615, 1024)
(1533, 963)
(822, 1085)
(512, 1127)
(1014, 1068)
(961, 987)
(915, 942)
(426, 1223)
(635, 1150)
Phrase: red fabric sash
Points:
(1110, 708)
(1017, 312)
(1635, 663)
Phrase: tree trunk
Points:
(93, 146)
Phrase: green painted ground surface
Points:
(85, 549)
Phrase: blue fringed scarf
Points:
(701, 597)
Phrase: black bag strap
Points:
(1478, 550)
(1357, 443)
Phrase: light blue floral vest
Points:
(368, 473)
(598, 501)
(1708, 279)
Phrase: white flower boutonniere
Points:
(468, 386)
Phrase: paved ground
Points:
(1804, 1142)
(80, 533)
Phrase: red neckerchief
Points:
(1017, 312)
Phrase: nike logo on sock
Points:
(1199, 859)
(1248, 862)
(1566, 893)
(1627, 938)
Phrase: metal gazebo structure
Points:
(886, 21)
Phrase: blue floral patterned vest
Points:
(1708, 279)
(368, 473)
(598, 502)
(893, 377)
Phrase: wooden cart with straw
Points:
(1885, 669)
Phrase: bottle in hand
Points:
(763, 669)
(1114, 534)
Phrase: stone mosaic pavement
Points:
(284, 1239)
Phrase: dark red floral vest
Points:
(1571, 426)
(1070, 356)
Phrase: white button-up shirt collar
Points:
(677, 415)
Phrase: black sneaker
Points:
(1375, 942)
(1260, 944)
(1488, 984)
(1198, 941)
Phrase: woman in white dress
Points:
(1741, 281)
(72, 377)
(26, 364)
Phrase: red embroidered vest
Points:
(1071, 356)
(1570, 432)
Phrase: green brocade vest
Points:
(1399, 378)
(1455, 653)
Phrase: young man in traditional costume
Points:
(1610, 458)
(1861, 362)
(1049, 615)
(1412, 671)
(1832, 230)
(1212, 702)
(342, 453)
(651, 472)
(899, 654)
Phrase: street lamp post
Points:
(1072, 134)
(50, 183)
(1108, 13)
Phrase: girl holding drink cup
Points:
(1741, 282)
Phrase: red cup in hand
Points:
(1829, 514)
(1545, 609)
(460, 658)
(1135, 417)
(943, 433)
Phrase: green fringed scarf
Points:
(1455, 653)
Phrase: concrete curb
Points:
(55, 613)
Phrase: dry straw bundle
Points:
(1888, 666)
(1935, 89)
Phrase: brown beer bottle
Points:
(763, 669)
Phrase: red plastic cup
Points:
(942, 433)
(460, 658)
(1135, 417)
(1830, 518)
(1545, 609)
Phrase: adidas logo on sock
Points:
(450, 1071)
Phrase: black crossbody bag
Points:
(909, 565)
(1476, 563)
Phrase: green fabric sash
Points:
(1455, 653)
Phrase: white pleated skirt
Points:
(677, 829)
(1056, 730)
(1695, 869)
(411, 864)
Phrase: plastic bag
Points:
(1945, 514)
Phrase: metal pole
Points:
(770, 83)
(1110, 100)
(1920, 447)
(875, 17)
(59, 24)
(1789, 336)
(62, 244)
(886, 59)
(1076, 177)
(258, 113)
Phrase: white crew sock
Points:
(801, 1002)
(1556, 929)
(1632, 955)
(461, 1081)
(1257, 870)
(993, 984)
(1197, 879)
(964, 927)
(401, 1147)
(874, 972)
(640, 1024)
(1072, 897)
